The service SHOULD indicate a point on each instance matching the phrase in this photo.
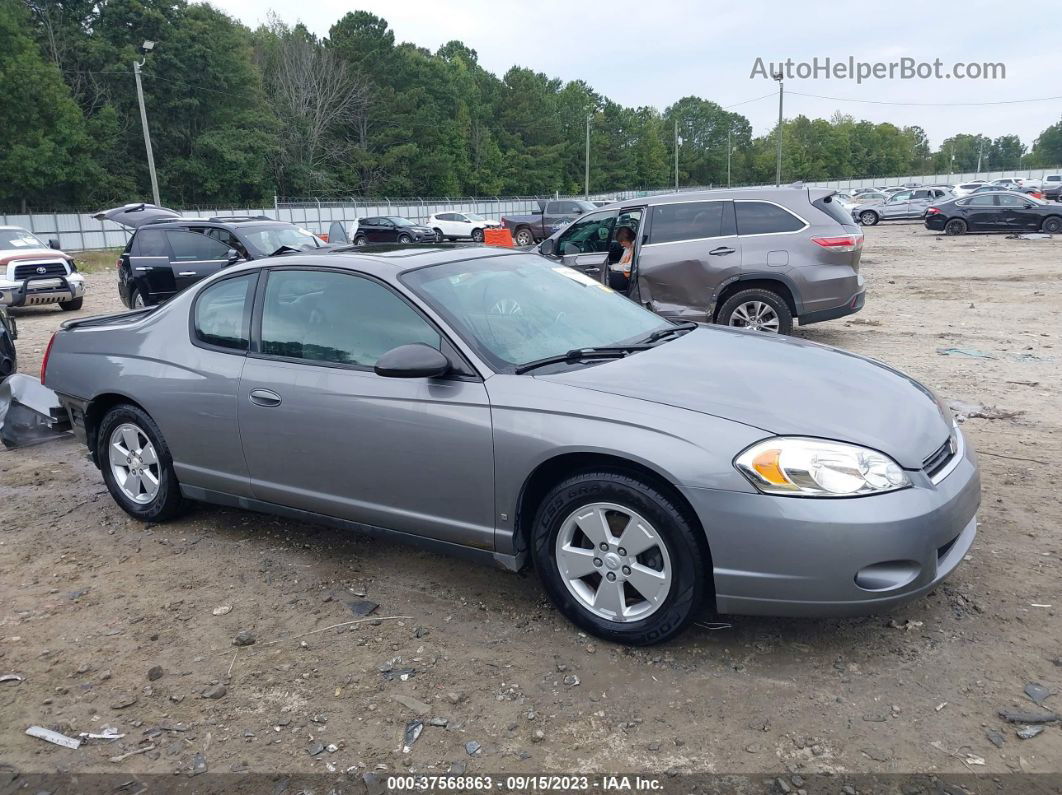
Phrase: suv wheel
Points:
(618, 558)
(438, 235)
(524, 237)
(757, 309)
(73, 305)
(360, 240)
(956, 226)
(477, 235)
(137, 466)
(868, 218)
(403, 238)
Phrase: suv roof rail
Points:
(225, 219)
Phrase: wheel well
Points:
(755, 284)
(549, 473)
(95, 412)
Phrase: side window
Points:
(150, 243)
(587, 235)
(984, 200)
(553, 208)
(761, 218)
(901, 196)
(459, 218)
(190, 246)
(688, 221)
(225, 237)
(921, 194)
(1006, 200)
(323, 316)
(223, 312)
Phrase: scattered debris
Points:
(135, 751)
(109, 733)
(571, 680)
(55, 738)
(1028, 732)
(402, 674)
(971, 352)
(417, 706)
(222, 610)
(907, 624)
(10, 678)
(373, 784)
(967, 758)
(995, 736)
(439, 722)
(215, 692)
(1037, 693)
(473, 748)
(413, 730)
(1021, 716)
(154, 673)
(244, 638)
(964, 411)
(315, 749)
(1031, 236)
(123, 702)
(363, 607)
(199, 764)
(29, 412)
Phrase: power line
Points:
(928, 104)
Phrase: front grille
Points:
(32, 270)
(940, 458)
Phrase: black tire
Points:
(360, 240)
(868, 218)
(72, 306)
(438, 235)
(477, 235)
(168, 502)
(135, 294)
(956, 226)
(691, 574)
(1052, 225)
(524, 237)
(726, 315)
(404, 239)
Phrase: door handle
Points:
(264, 397)
(715, 252)
(592, 270)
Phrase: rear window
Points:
(763, 218)
(830, 206)
(687, 221)
(150, 243)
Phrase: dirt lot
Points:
(91, 600)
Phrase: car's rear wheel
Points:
(477, 235)
(757, 309)
(618, 558)
(136, 299)
(405, 239)
(524, 237)
(360, 240)
(72, 306)
(137, 466)
(1052, 225)
(868, 218)
(956, 226)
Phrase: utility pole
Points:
(676, 153)
(145, 48)
(587, 196)
(728, 151)
(980, 152)
(778, 171)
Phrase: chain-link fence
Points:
(80, 231)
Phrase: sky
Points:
(655, 53)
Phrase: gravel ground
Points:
(91, 601)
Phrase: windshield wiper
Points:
(579, 354)
(659, 334)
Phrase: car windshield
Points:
(518, 309)
(266, 240)
(400, 221)
(19, 238)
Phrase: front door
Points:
(1016, 212)
(195, 256)
(585, 244)
(897, 205)
(688, 250)
(323, 433)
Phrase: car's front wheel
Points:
(405, 239)
(868, 218)
(619, 558)
(477, 235)
(137, 466)
(72, 305)
(1052, 225)
(757, 309)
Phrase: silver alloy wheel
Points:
(134, 463)
(524, 238)
(755, 315)
(613, 562)
(868, 219)
(138, 300)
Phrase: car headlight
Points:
(799, 467)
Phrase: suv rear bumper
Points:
(58, 289)
(850, 307)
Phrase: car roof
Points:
(219, 222)
(769, 194)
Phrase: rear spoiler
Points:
(110, 320)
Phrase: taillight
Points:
(118, 264)
(47, 353)
(842, 243)
(933, 211)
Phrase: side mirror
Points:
(547, 247)
(232, 256)
(412, 361)
(53, 243)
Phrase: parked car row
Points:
(994, 211)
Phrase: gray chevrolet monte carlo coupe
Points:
(510, 407)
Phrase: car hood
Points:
(12, 254)
(783, 386)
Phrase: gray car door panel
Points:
(412, 455)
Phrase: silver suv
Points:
(758, 259)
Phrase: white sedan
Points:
(451, 226)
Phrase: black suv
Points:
(165, 256)
(392, 229)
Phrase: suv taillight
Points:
(842, 243)
(47, 353)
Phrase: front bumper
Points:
(792, 556)
(38, 290)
